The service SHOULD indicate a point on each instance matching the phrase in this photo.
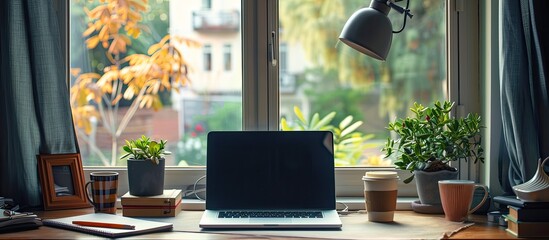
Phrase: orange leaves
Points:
(83, 92)
(153, 48)
(105, 83)
(90, 30)
(130, 91)
(149, 101)
(138, 78)
(117, 46)
(92, 42)
(146, 101)
(138, 6)
(107, 20)
(75, 71)
(83, 115)
(134, 32)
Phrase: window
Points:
(343, 81)
(257, 92)
(287, 84)
(227, 57)
(207, 57)
(206, 4)
(171, 45)
(283, 58)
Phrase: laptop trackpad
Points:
(271, 220)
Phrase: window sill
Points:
(354, 203)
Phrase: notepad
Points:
(141, 226)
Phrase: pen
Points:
(103, 225)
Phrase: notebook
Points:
(270, 179)
(141, 226)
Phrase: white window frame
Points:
(260, 87)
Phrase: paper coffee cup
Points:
(380, 194)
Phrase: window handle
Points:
(273, 58)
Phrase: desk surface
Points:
(480, 230)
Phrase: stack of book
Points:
(526, 219)
(166, 205)
(11, 221)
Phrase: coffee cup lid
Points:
(380, 175)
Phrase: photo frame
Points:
(62, 181)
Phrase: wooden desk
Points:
(481, 230)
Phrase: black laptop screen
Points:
(270, 170)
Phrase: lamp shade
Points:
(369, 31)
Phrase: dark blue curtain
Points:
(34, 98)
(524, 89)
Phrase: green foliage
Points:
(144, 148)
(349, 144)
(227, 116)
(332, 94)
(415, 69)
(191, 149)
(432, 136)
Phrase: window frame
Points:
(206, 4)
(260, 87)
(227, 57)
(207, 58)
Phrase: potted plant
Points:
(429, 141)
(146, 165)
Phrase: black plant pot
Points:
(146, 178)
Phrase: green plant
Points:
(144, 148)
(431, 139)
(349, 144)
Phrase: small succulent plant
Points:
(144, 148)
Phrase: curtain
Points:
(34, 98)
(524, 89)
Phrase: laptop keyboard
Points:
(273, 214)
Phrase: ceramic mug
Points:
(103, 191)
(456, 197)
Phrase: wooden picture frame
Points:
(62, 181)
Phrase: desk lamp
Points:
(370, 31)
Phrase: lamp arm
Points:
(401, 10)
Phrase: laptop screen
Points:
(270, 170)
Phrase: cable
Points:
(345, 210)
(194, 188)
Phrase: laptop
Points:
(270, 179)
